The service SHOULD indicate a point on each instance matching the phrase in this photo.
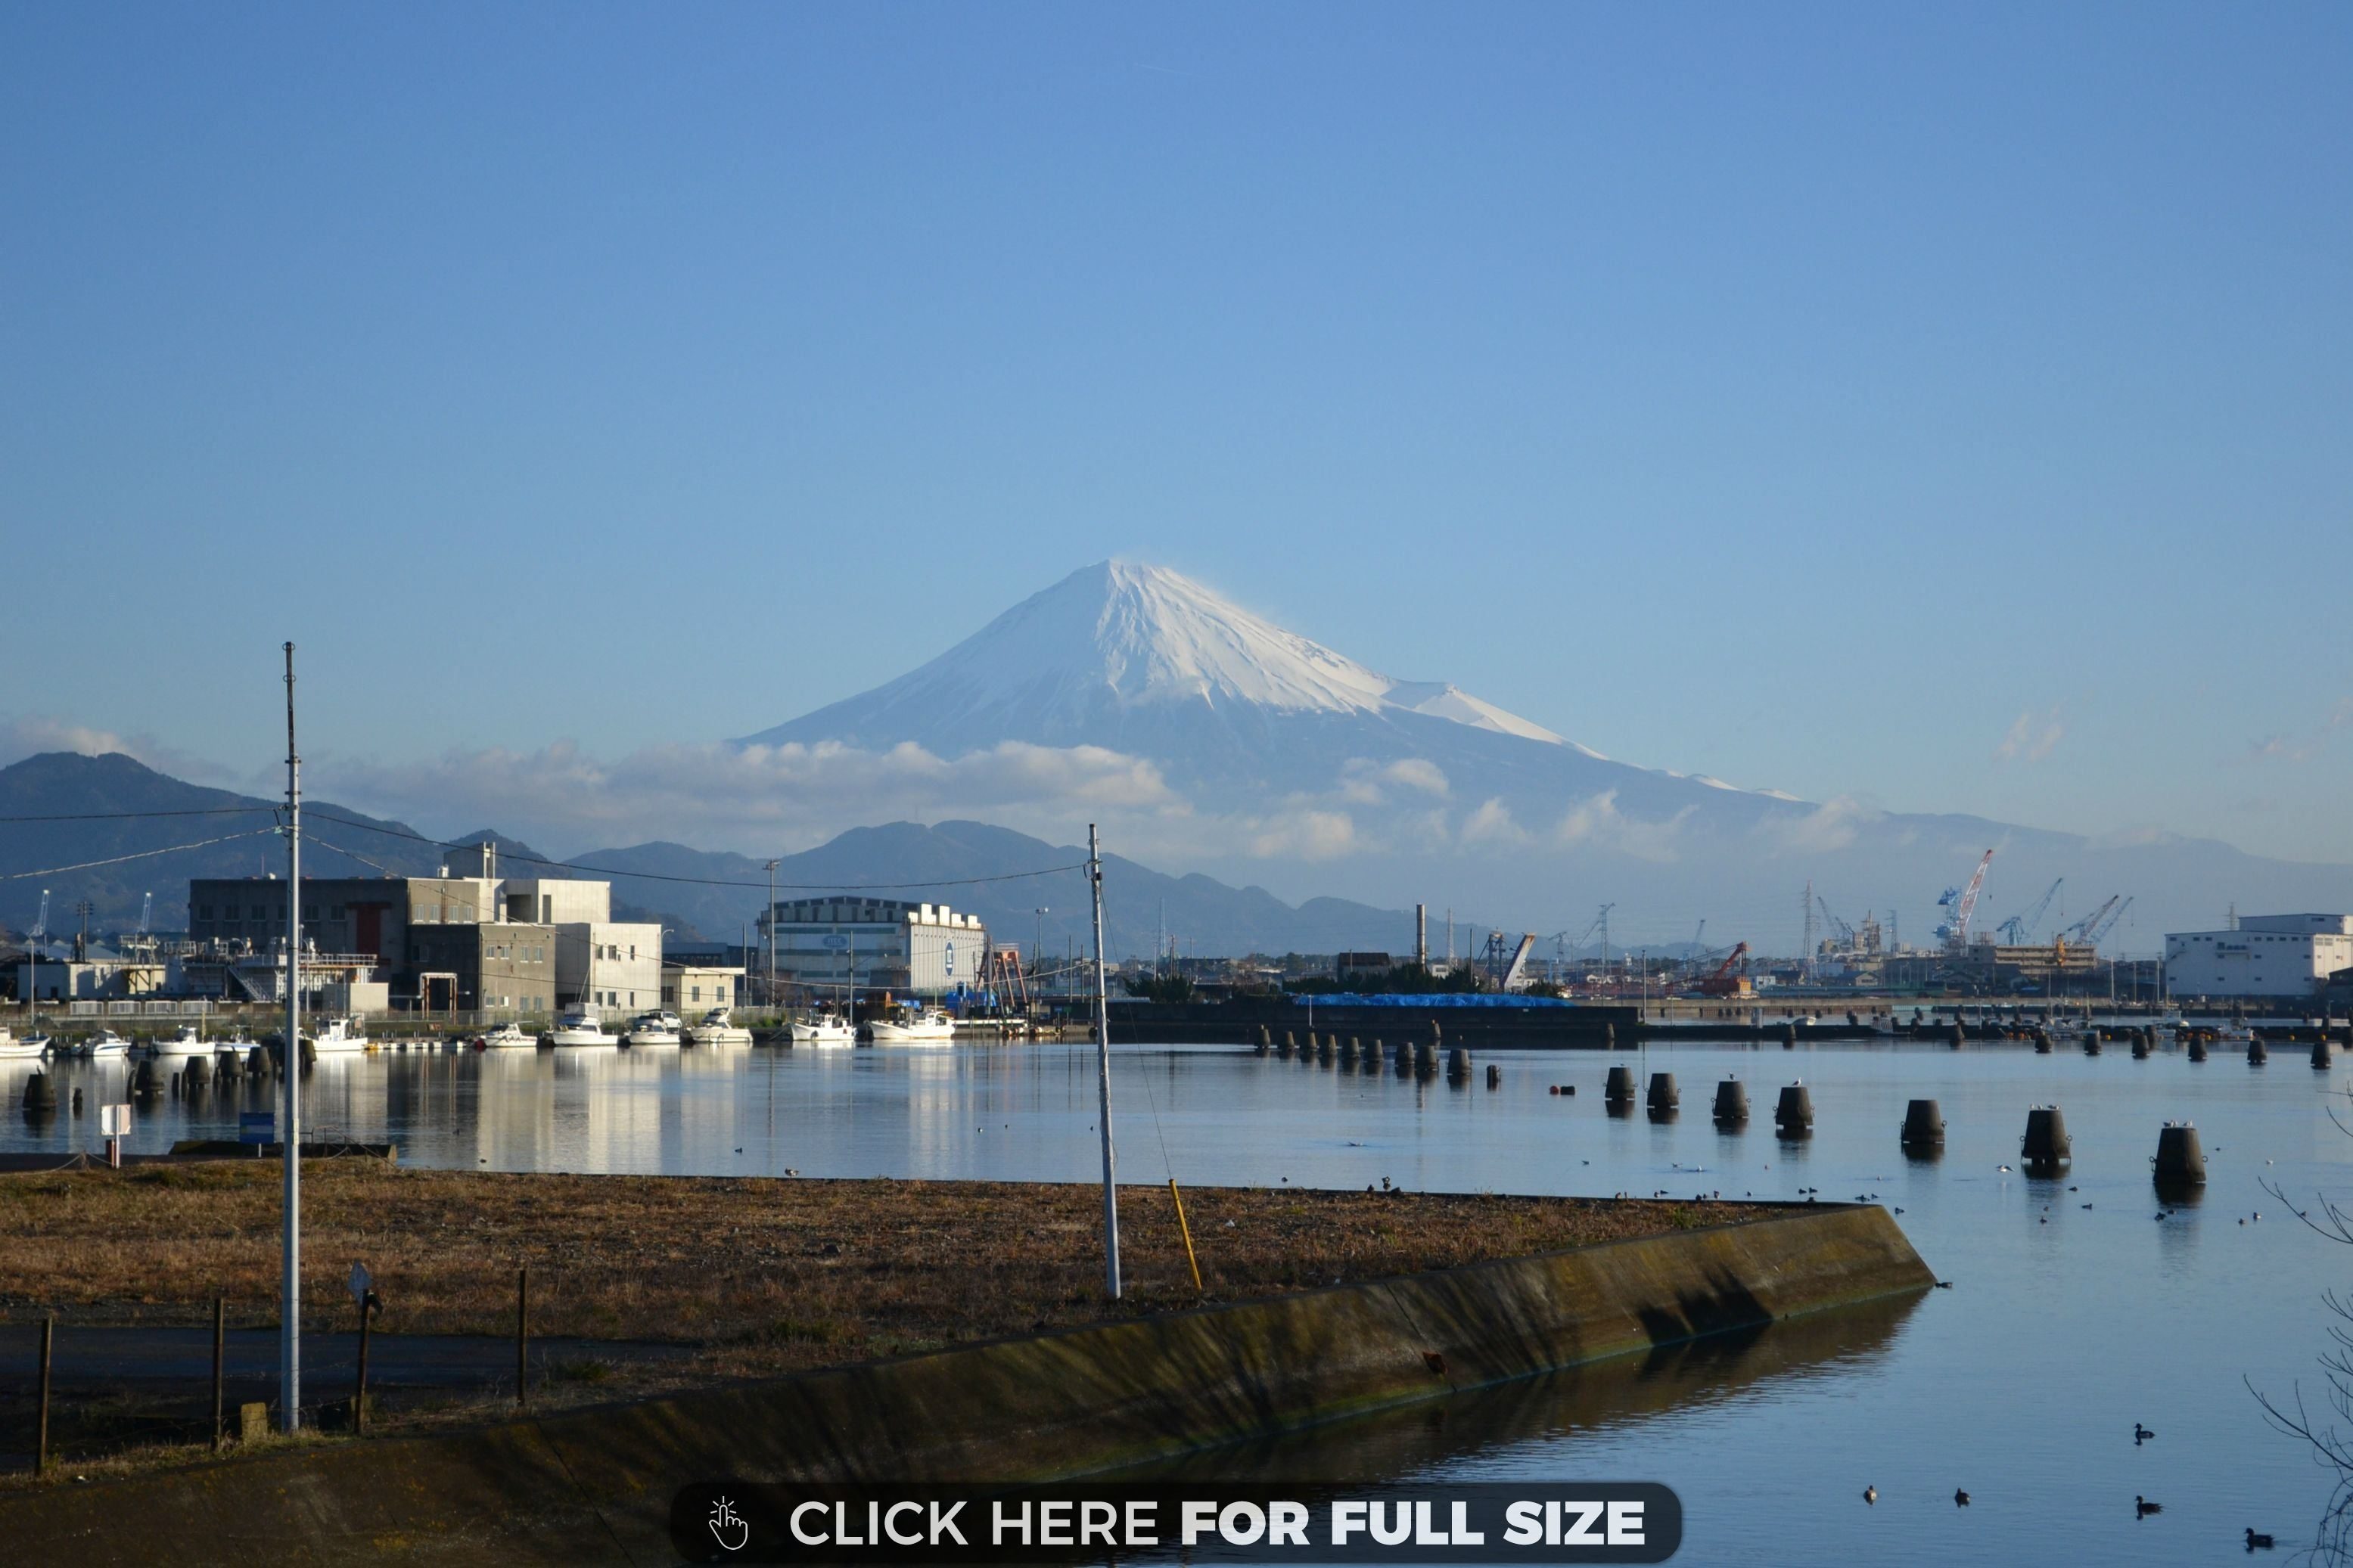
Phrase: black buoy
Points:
(1731, 1104)
(2180, 1163)
(196, 1076)
(2320, 1052)
(2257, 1054)
(41, 1095)
(2046, 1143)
(1620, 1084)
(2197, 1047)
(1924, 1126)
(2091, 1042)
(1793, 1114)
(1663, 1100)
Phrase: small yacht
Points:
(338, 1035)
(580, 1026)
(928, 1028)
(716, 1028)
(30, 1046)
(105, 1043)
(507, 1037)
(823, 1029)
(654, 1029)
(183, 1041)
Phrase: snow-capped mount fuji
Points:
(1290, 762)
(1114, 639)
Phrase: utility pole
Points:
(772, 933)
(1103, 1065)
(290, 1329)
(1038, 946)
(1605, 946)
(1806, 950)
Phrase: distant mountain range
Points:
(1308, 768)
(111, 809)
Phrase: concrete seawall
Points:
(596, 1484)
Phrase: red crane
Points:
(1731, 977)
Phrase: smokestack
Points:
(1421, 936)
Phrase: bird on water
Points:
(1871, 1494)
(2255, 1540)
(1961, 1497)
(2141, 1434)
(2143, 1508)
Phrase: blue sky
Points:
(1945, 406)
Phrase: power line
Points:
(131, 816)
(138, 854)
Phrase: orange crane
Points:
(1726, 981)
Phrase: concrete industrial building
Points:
(2263, 955)
(691, 990)
(471, 943)
(881, 945)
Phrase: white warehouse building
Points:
(2266, 955)
(876, 945)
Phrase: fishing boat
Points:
(581, 1026)
(507, 1037)
(716, 1028)
(183, 1041)
(929, 1027)
(105, 1043)
(29, 1045)
(338, 1035)
(653, 1029)
(823, 1029)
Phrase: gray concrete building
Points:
(881, 945)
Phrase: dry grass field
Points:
(780, 1273)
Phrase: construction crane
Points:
(1506, 964)
(2087, 932)
(2020, 927)
(1841, 934)
(1954, 928)
(1730, 978)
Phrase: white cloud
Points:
(35, 733)
(1832, 824)
(1305, 833)
(1361, 779)
(1493, 824)
(2031, 737)
(1596, 820)
(748, 796)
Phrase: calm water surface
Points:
(2066, 1325)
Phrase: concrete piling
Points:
(2041, 1041)
(196, 1076)
(1289, 1045)
(1458, 1065)
(1788, 1036)
(1404, 1057)
(1663, 1100)
(1621, 1086)
(2257, 1053)
(2046, 1143)
(1924, 1127)
(1793, 1114)
(2140, 1045)
(2320, 1053)
(1960, 1036)
(142, 1080)
(1494, 1076)
(41, 1095)
(1731, 1104)
(1265, 1040)
(2180, 1162)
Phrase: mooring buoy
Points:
(1731, 1104)
(1924, 1126)
(2046, 1142)
(1793, 1113)
(2180, 1162)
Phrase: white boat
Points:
(654, 1029)
(717, 1028)
(581, 1026)
(929, 1027)
(338, 1035)
(507, 1037)
(30, 1046)
(183, 1041)
(105, 1043)
(823, 1029)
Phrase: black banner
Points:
(1534, 1521)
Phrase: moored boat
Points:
(183, 1041)
(581, 1026)
(27, 1046)
(507, 1037)
(653, 1029)
(338, 1035)
(823, 1029)
(717, 1027)
(929, 1027)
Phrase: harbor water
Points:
(2079, 1306)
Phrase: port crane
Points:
(2087, 932)
(1954, 928)
(2020, 927)
(1841, 934)
(1507, 966)
(1729, 978)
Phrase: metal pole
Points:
(772, 934)
(359, 1394)
(221, 1337)
(41, 1444)
(290, 1329)
(522, 1336)
(1103, 1065)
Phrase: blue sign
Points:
(256, 1126)
(835, 943)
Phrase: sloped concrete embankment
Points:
(596, 1484)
